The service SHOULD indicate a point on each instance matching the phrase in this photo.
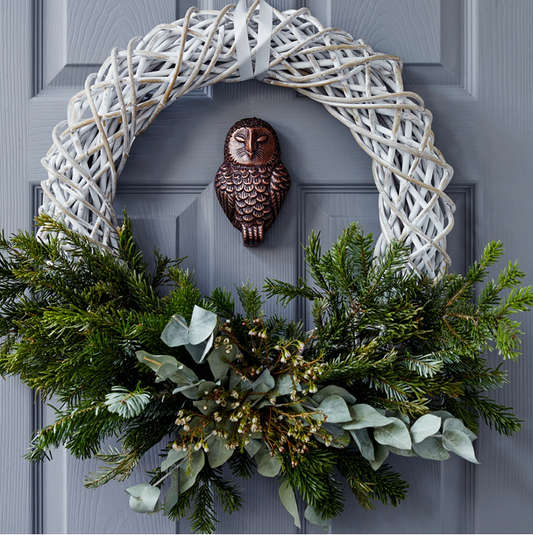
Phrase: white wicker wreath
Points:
(361, 88)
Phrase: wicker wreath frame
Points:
(361, 88)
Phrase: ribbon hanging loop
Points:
(242, 44)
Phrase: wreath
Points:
(394, 363)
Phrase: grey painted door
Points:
(469, 60)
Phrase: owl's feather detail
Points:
(252, 183)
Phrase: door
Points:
(469, 62)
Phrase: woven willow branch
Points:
(361, 88)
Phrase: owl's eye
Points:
(262, 138)
(240, 138)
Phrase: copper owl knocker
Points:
(252, 183)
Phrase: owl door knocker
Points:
(252, 183)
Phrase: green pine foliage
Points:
(409, 344)
(71, 324)
(73, 315)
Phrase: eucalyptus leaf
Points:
(158, 507)
(335, 409)
(364, 443)
(166, 370)
(219, 360)
(264, 379)
(206, 387)
(333, 429)
(199, 351)
(176, 372)
(218, 454)
(143, 497)
(209, 403)
(172, 458)
(431, 448)
(283, 385)
(363, 415)
(203, 323)
(443, 414)
(342, 440)
(401, 452)
(253, 447)
(331, 390)
(460, 444)
(176, 332)
(455, 423)
(236, 383)
(288, 499)
(401, 416)
(381, 454)
(185, 388)
(191, 392)
(425, 426)
(394, 434)
(313, 517)
(188, 471)
(263, 403)
(267, 465)
(155, 362)
(172, 495)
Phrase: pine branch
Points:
(250, 300)
(313, 478)
(242, 465)
(119, 465)
(368, 484)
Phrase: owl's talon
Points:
(252, 236)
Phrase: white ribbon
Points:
(242, 45)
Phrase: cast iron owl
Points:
(252, 183)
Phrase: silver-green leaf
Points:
(425, 426)
(218, 454)
(460, 444)
(219, 360)
(267, 465)
(363, 415)
(176, 332)
(199, 351)
(155, 362)
(253, 447)
(331, 390)
(335, 409)
(313, 517)
(431, 448)
(264, 383)
(364, 443)
(203, 323)
(173, 457)
(143, 497)
(173, 493)
(381, 453)
(283, 385)
(286, 494)
(402, 452)
(455, 423)
(394, 434)
(189, 470)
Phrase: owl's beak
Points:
(250, 147)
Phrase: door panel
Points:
(167, 188)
